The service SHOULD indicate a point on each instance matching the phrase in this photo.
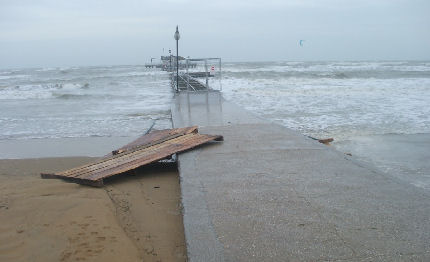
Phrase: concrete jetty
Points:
(268, 193)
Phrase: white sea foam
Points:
(338, 107)
(38, 91)
(141, 73)
(5, 77)
(82, 102)
(25, 92)
(46, 69)
(336, 99)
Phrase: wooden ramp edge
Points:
(147, 149)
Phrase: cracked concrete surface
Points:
(268, 193)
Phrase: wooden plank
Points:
(149, 148)
(130, 156)
(162, 153)
(160, 136)
(146, 160)
(155, 135)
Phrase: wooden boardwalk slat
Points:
(114, 161)
(142, 161)
(147, 149)
(129, 152)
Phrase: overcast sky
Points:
(38, 33)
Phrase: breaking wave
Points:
(41, 91)
(363, 74)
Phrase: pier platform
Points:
(268, 193)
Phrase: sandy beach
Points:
(135, 217)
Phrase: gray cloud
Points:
(58, 33)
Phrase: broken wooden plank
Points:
(326, 141)
(154, 137)
(147, 149)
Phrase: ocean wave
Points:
(151, 114)
(318, 98)
(5, 77)
(46, 69)
(70, 126)
(41, 91)
(364, 74)
(337, 107)
(26, 136)
(139, 73)
(343, 70)
(69, 96)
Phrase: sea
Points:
(376, 111)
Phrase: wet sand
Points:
(135, 217)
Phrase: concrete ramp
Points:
(271, 194)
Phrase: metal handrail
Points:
(200, 84)
(206, 71)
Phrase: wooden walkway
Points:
(147, 149)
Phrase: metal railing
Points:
(199, 74)
(207, 68)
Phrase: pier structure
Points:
(198, 74)
(168, 63)
(268, 193)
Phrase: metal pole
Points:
(187, 76)
(177, 36)
(220, 75)
(177, 66)
(206, 74)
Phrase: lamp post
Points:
(177, 36)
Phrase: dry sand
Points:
(135, 217)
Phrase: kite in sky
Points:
(301, 42)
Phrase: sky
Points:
(46, 33)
